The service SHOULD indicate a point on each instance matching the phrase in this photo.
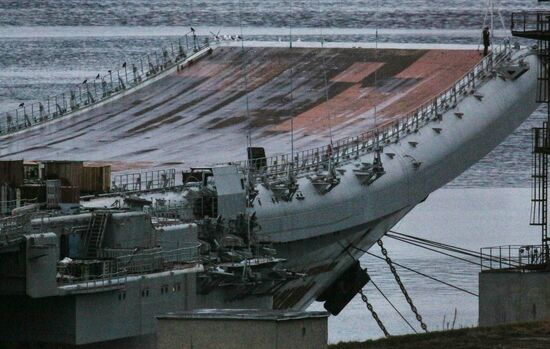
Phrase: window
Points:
(122, 296)
(164, 289)
(177, 287)
(145, 292)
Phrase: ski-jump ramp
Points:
(202, 113)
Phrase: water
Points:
(48, 46)
(466, 217)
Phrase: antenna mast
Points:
(245, 79)
(490, 6)
(329, 115)
(251, 193)
(376, 59)
(291, 94)
(377, 161)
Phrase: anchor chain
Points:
(374, 314)
(401, 286)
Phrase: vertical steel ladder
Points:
(96, 232)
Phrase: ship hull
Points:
(326, 232)
(324, 259)
(321, 234)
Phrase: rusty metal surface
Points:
(199, 116)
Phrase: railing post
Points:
(500, 257)
(482, 260)
(520, 259)
(80, 94)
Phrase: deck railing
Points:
(142, 181)
(512, 257)
(147, 262)
(349, 147)
(117, 270)
(6, 207)
(92, 281)
(170, 213)
(530, 22)
(102, 88)
(14, 226)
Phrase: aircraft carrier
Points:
(291, 162)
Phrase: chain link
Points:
(401, 286)
(374, 314)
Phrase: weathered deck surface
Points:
(199, 116)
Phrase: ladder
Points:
(539, 192)
(536, 26)
(541, 141)
(95, 233)
(539, 198)
(542, 69)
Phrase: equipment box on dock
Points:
(242, 329)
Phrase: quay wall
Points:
(509, 297)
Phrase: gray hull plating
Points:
(320, 233)
(353, 214)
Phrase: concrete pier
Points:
(513, 296)
(242, 329)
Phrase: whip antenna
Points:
(245, 78)
(291, 92)
(490, 12)
(376, 70)
(329, 115)
(250, 184)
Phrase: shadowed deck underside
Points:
(199, 115)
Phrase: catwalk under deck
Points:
(199, 115)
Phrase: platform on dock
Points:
(243, 329)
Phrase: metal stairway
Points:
(536, 25)
(539, 194)
(96, 232)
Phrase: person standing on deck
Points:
(486, 41)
